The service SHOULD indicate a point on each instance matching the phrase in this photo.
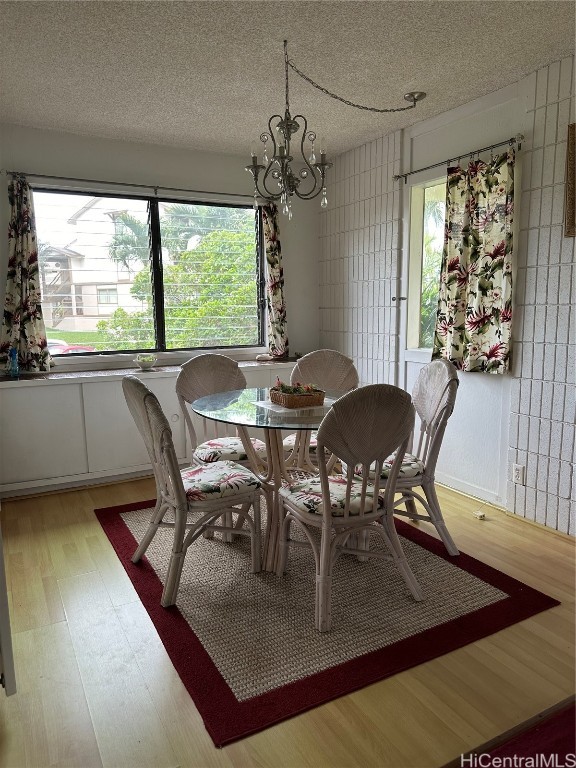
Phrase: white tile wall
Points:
(545, 297)
(359, 276)
(359, 259)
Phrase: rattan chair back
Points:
(205, 375)
(434, 396)
(327, 369)
(157, 435)
(362, 429)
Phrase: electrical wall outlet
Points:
(518, 474)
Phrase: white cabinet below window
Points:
(77, 429)
(112, 439)
(41, 432)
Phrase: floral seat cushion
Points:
(227, 449)
(217, 480)
(411, 467)
(307, 496)
(289, 442)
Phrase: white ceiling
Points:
(208, 75)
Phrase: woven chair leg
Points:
(239, 522)
(363, 543)
(390, 534)
(155, 520)
(283, 536)
(255, 538)
(411, 510)
(438, 519)
(228, 521)
(324, 584)
(172, 579)
(323, 603)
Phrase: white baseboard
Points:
(33, 487)
(483, 494)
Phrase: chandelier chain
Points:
(286, 62)
(339, 98)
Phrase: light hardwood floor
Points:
(95, 687)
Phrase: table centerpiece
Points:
(296, 395)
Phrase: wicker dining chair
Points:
(433, 395)
(326, 369)
(362, 429)
(190, 501)
(205, 375)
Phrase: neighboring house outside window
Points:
(137, 273)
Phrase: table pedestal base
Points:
(278, 472)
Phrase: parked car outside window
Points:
(61, 347)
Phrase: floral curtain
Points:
(475, 301)
(23, 326)
(277, 327)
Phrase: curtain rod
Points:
(126, 184)
(511, 141)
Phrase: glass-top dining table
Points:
(251, 408)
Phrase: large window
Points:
(135, 273)
(427, 210)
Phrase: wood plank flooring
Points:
(96, 688)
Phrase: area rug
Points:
(245, 645)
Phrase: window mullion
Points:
(157, 275)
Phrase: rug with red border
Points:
(225, 647)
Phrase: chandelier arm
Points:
(268, 192)
(263, 192)
(345, 101)
(318, 183)
(302, 140)
(271, 135)
(310, 195)
(314, 177)
(263, 189)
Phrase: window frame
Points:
(416, 197)
(118, 358)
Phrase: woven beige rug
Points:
(259, 628)
(245, 646)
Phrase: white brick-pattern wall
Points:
(541, 435)
(359, 259)
(359, 273)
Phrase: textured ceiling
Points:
(208, 75)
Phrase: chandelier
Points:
(278, 181)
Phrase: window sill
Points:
(108, 374)
(111, 362)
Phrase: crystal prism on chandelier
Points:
(278, 181)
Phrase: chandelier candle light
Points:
(279, 134)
